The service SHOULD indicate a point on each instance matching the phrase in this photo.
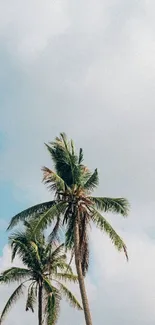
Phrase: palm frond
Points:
(53, 180)
(48, 286)
(72, 148)
(92, 182)
(80, 156)
(65, 160)
(31, 298)
(20, 248)
(69, 296)
(115, 205)
(32, 212)
(36, 251)
(69, 240)
(69, 268)
(66, 277)
(14, 274)
(13, 298)
(26, 252)
(52, 309)
(103, 224)
(54, 212)
(56, 253)
(54, 236)
(61, 266)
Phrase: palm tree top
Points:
(43, 262)
(73, 184)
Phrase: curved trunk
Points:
(40, 309)
(80, 277)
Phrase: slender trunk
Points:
(40, 309)
(80, 277)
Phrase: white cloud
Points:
(28, 27)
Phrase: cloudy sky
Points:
(86, 68)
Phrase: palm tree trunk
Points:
(40, 296)
(80, 276)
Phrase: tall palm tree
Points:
(43, 272)
(74, 206)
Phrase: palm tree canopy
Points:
(42, 261)
(72, 184)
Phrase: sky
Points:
(86, 68)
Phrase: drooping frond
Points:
(31, 298)
(104, 225)
(14, 274)
(35, 251)
(52, 309)
(53, 180)
(38, 237)
(47, 285)
(116, 205)
(69, 240)
(92, 182)
(54, 212)
(66, 277)
(54, 236)
(12, 300)
(69, 296)
(22, 247)
(56, 253)
(29, 213)
(61, 266)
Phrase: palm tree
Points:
(43, 273)
(74, 206)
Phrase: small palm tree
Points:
(43, 273)
(74, 206)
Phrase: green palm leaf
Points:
(53, 180)
(23, 251)
(31, 298)
(92, 182)
(62, 266)
(116, 205)
(69, 296)
(32, 212)
(52, 309)
(14, 274)
(66, 277)
(12, 300)
(47, 285)
(36, 251)
(65, 161)
(80, 156)
(103, 224)
(56, 253)
(56, 233)
(54, 212)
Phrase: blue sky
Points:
(10, 205)
(91, 73)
